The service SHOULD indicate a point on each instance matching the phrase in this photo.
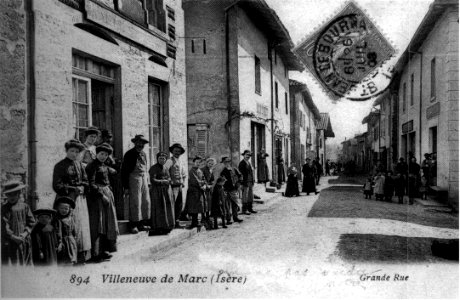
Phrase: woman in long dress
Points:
(195, 192)
(292, 187)
(309, 181)
(101, 205)
(69, 179)
(162, 205)
(262, 167)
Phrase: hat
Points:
(44, 211)
(64, 199)
(246, 152)
(106, 133)
(162, 154)
(92, 130)
(104, 147)
(73, 143)
(197, 158)
(225, 158)
(177, 145)
(139, 138)
(13, 186)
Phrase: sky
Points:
(397, 19)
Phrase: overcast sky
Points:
(398, 20)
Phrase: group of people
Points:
(410, 179)
(82, 224)
(311, 170)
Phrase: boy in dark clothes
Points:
(389, 187)
(399, 184)
(218, 202)
(368, 188)
(64, 224)
(44, 239)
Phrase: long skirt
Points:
(82, 229)
(292, 186)
(139, 198)
(69, 251)
(103, 223)
(207, 200)
(309, 184)
(281, 173)
(194, 201)
(413, 189)
(162, 216)
(262, 172)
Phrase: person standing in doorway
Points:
(262, 167)
(413, 180)
(178, 175)
(89, 152)
(280, 164)
(247, 171)
(134, 175)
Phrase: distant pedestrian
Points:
(292, 186)
(309, 180)
(427, 167)
(413, 180)
(280, 165)
(195, 194)
(233, 177)
(389, 187)
(247, 171)
(17, 224)
(328, 168)
(218, 202)
(399, 183)
(318, 170)
(434, 169)
(262, 167)
(178, 175)
(44, 238)
(379, 191)
(70, 179)
(101, 206)
(134, 175)
(162, 215)
(423, 187)
(367, 187)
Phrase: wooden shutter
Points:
(202, 140)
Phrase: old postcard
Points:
(229, 148)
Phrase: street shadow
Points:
(390, 248)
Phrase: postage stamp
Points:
(344, 51)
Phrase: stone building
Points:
(304, 116)
(238, 57)
(427, 88)
(324, 131)
(70, 64)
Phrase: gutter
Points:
(31, 104)
(420, 108)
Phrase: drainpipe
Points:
(420, 108)
(227, 73)
(31, 105)
(272, 112)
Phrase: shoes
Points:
(224, 226)
(178, 225)
(143, 228)
(106, 255)
(252, 211)
(229, 222)
(134, 230)
(246, 213)
(237, 220)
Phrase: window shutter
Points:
(202, 141)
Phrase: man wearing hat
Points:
(232, 177)
(178, 175)
(134, 174)
(17, 224)
(247, 171)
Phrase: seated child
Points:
(65, 228)
(17, 224)
(44, 238)
(218, 202)
(368, 188)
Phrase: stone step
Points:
(431, 203)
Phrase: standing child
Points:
(379, 186)
(389, 187)
(195, 193)
(423, 187)
(399, 183)
(368, 188)
(17, 224)
(218, 202)
(44, 239)
(65, 227)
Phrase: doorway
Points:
(257, 141)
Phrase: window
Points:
(81, 105)
(404, 97)
(433, 79)
(156, 14)
(276, 95)
(171, 13)
(193, 46)
(204, 46)
(257, 74)
(172, 32)
(412, 89)
(286, 102)
(155, 106)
